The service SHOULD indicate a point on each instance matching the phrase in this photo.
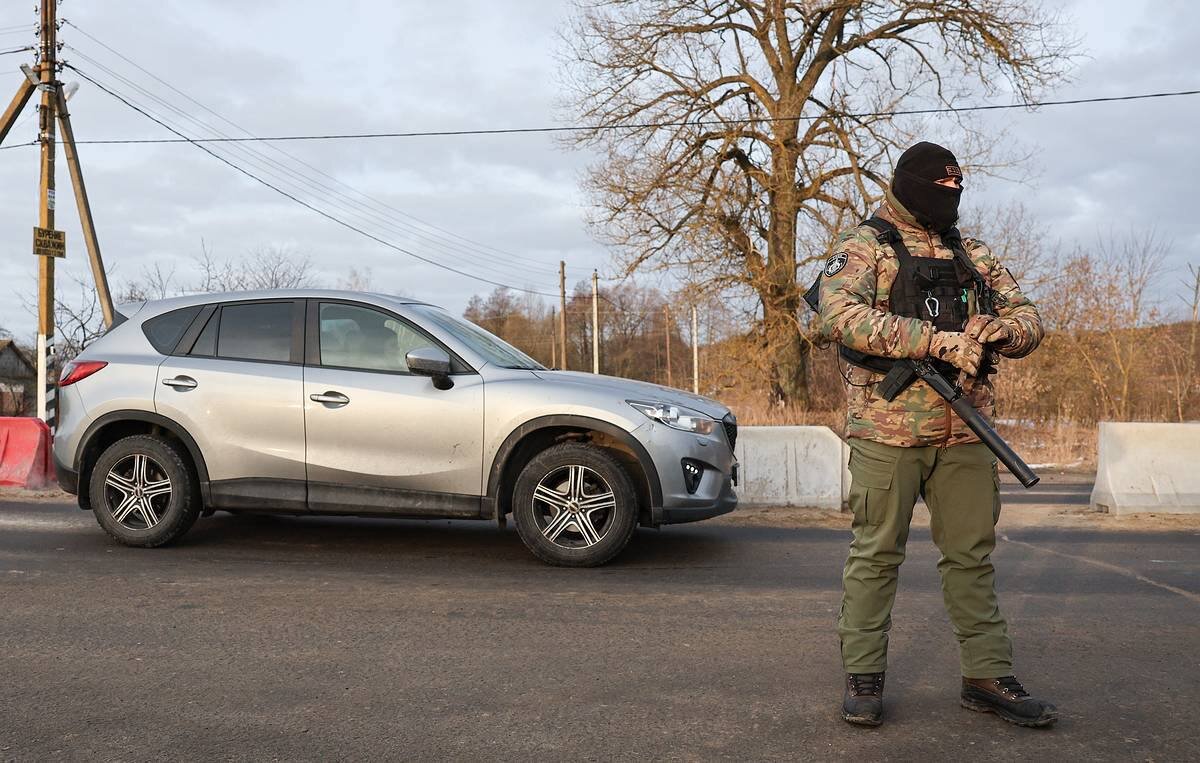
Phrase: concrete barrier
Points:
(792, 466)
(1148, 468)
(25, 453)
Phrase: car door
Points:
(379, 438)
(235, 383)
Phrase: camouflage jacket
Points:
(854, 312)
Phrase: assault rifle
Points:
(905, 372)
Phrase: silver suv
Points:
(327, 402)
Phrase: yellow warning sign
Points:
(49, 243)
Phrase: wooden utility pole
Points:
(695, 354)
(48, 243)
(562, 311)
(667, 331)
(85, 211)
(553, 338)
(47, 79)
(15, 107)
(595, 322)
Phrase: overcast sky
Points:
(301, 67)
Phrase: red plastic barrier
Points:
(25, 453)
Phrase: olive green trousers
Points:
(961, 486)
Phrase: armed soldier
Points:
(905, 285)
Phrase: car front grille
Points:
(730, 424)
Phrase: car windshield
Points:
(491, 347)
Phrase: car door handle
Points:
(180, 382)
(330, 398)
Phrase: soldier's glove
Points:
(957, 349)
(988, 329)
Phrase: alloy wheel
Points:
(137, 492)
(574, 506)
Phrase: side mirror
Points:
(433, 362)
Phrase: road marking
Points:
(1194, 598)
(40, 523)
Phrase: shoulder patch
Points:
(835, 263)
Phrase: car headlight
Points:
(683, 419)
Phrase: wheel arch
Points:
(115, 425)
(535, 435)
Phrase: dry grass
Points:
(1060, 443)
(754, 412)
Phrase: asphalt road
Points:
(261, 638)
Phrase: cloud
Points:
(1114, 168)
(276, 69)
(284, 68)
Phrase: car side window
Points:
(206, 343)
(255, 331)
(361, 338)
(165, 330)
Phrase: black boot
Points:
(1008, 699)
(862, 704)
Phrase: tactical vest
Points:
(927, 288)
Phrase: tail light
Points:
(79, 369)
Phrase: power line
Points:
(375, 202)
(300, 201)
(309, 183)
(17, 50)
(646, 125)
(301, 184)
(501, 267)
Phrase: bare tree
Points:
(523, 320)
(738, 136)
(156, 282)
(78, 321)
(1020, 241)
(268, 267)
(1103, 312)
(1182, 342)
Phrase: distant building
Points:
(18, 380)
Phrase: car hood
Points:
(628, 389)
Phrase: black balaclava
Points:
(935, 206)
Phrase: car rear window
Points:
(164, 331)
(256, 331)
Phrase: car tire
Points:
(575, 506)
(143, 491)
